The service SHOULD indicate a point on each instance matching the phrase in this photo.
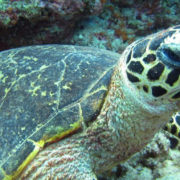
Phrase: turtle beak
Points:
(169, 54)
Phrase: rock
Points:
(41, 21)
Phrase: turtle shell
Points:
(46, 93)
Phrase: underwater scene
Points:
(90, 89)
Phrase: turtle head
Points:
(153, 65)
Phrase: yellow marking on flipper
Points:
(5, 175)
(43, 93)
(22, 76)
(51, 94)
(80, 113)
(39, 76)
(43, 67)
(34, 91)
(15, 72)
(96, 104)
(6, 90)
(84, 126)
(4, 79)
(38, 146)
(65, 132)
(32, 84)
(67, 86)
(53, 102)
(30, 58)
(97, 90)
(35, 59)
(74, 127)
(40, 143)
(27, 57)
(19, 78)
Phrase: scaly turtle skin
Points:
(69, 112)
(173, 126)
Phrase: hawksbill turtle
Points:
(71, 112)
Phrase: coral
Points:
(122, 22)
(80, 22)
(40, 21)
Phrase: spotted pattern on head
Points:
(173, 126)
(153, 64)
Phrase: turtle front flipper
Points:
(65, 159)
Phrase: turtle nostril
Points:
(170, 55)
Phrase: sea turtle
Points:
(173, 126)
(70, 112)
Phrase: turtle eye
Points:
(170, 55)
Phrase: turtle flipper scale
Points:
(68, 161)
